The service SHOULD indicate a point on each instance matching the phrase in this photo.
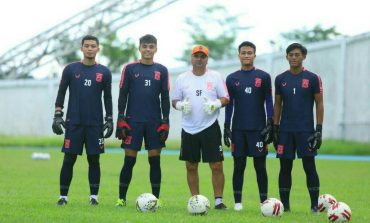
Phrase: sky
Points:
(21, 20)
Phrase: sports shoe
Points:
(221, 206)
(287, 209)
(315, 210)
(93, 201)
(238, 206)
(62, 201)
(120, 203)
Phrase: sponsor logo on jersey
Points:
(67, 143)
(305, 83)
(99, 77)
(258, 82)
(136, 75)
(283, 84)
(209, 85)
(77, 76)
(237, 83)
(157, 75)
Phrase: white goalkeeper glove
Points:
(184, 106)
(211, 106)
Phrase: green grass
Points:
(329, 146)
(29, 190)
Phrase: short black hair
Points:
(89, 37)
(148, 38)
(294, 46)
(247, 43)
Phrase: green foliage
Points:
(315, 34)
(117, 52)
(224, 28)
(65, 41)
(30, 188)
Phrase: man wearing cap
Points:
(199, 94)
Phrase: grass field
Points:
(29, 190)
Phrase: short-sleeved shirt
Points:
(145, 84)
(248, 90)
(195, 88)
(297, 93)
(86, 84)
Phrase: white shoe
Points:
(238, 207)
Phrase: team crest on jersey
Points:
(209, 85)
(280, 149)
(67, 143)
(128, 140)
(258, 82)
(157, 75)
(305, 83)
(99, 77)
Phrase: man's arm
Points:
(165, 96)
(63, 85)
(277, 109)
(108, 95)
(123, 92)
(319, 101)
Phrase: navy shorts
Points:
(205, 144)
(247, 143)
(140, 131)
(78, 135)
(291, 143)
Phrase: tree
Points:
(214, 28)
(316, 34)
(117, 52)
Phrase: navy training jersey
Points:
(297, 93)
(248, 90)
(141, 86)
(86, 84)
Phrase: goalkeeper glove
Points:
(314, 141)
(163, 130)
(211, 106)
(123, 128)
(109, 126)
(184, 106)
(227, 134)
(58, 122)
(276, 136)
(267, 132)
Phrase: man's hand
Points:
(123, 127)
(276, 136)
(184, 106)
(109, 126)
(211, 106)
(314, 141)
(163, 130)
(227, 134)
(58, 122)
(267, 132)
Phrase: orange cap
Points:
(200, 48)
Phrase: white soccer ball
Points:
(339, 212)
(146, 202)
(325, 201)
(198, 205)
(272, 207)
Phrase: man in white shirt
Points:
(199, 94)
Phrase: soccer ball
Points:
(339, 212)
(325, 201)
(272, 207)
(146, 202)
(198, 205)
